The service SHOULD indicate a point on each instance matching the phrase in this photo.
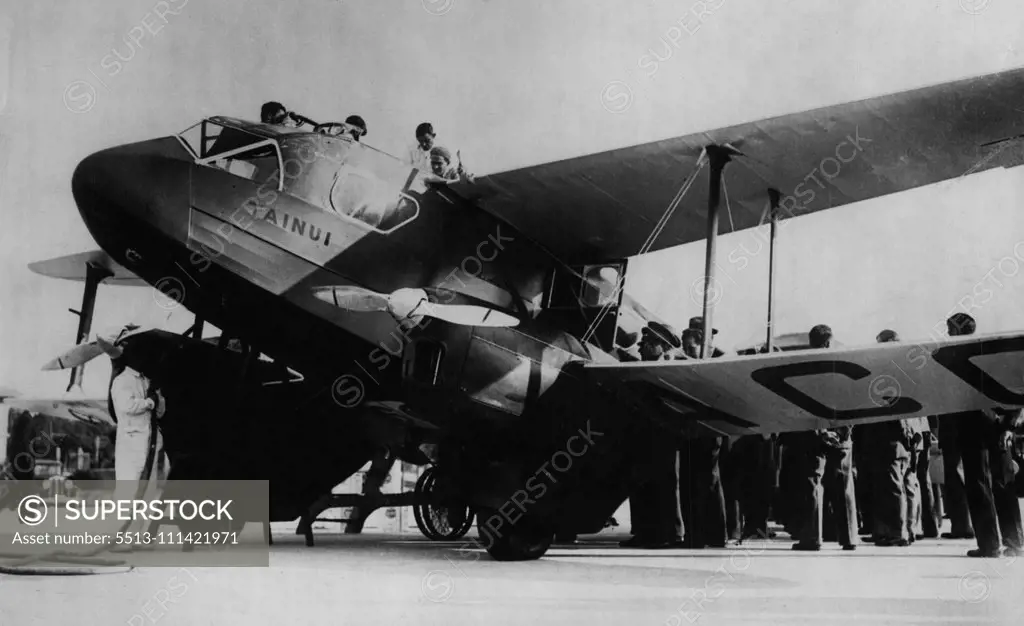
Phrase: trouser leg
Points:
(666, 524)
(913, 514)
(955, 499)
(1004, 493)
(978, 484)
(729, 461)
(812, 496)
(864, 493)
(843, 497)
(716, 531)
(930, 522)
(891, 499)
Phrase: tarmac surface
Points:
(406, 579)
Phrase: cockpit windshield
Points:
(340, 176)
(235, 151)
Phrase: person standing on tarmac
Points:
(701, 496)
(954, 495)
(814, 451)
(135, 403)
(894, 493)
(653, 500)
(985, 440)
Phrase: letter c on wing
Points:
(775, 379)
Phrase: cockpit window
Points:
(346, 178)
(235, 151)
(358, 194)
(259, 163)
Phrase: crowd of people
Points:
(870, 481)
(436, 162)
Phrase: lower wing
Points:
(815, 389)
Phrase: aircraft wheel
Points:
(525, 541)
(440, 523)
(421, 511)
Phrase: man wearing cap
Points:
(653, 500)
(442, 168)
(702, 499)
(825, 459)
(274, 113)
(984, 438)
(693, 338)
(954, 494)
(356, 127)
(419, 152)
(896, 494)
(135, 402)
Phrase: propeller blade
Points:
(412, 304)
(79, 355)
(469, 315)
(351, 298)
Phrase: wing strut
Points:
(718, 157)
(773, 198)
(94, 275)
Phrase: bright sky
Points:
(513, 83)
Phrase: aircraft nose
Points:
(144, 182)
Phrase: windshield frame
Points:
(258, 142)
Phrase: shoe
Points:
(958, 535)
(632, 542)
(984, 554)
(806, 547)
(930, 536)
(849, 547)
(890, 542)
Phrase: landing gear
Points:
(527, 540)
(439, 522)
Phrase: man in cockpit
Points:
(276, 113)
(443, 170)
(419, 154)
(356, 127)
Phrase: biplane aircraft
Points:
(481, 316)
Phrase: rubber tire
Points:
(522, 542)
(419, 511)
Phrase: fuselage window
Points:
(359, 195)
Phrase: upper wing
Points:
(826, 388)
(74, 267)
(606, 205)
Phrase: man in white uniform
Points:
(135, 402)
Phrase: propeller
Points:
(409, 304)
(78, 355)
(104, 343)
